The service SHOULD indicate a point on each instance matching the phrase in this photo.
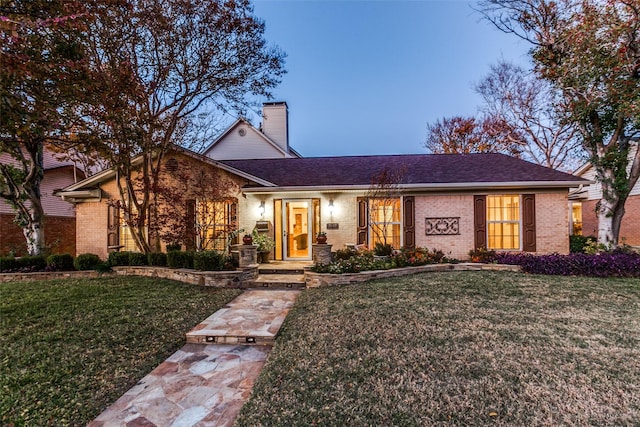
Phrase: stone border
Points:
(322, 280)
(217, 279)
(49, 275)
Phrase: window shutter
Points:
(480, 221)
(363, 223)
(409, 222)
(190, 222)
(529, 222)
(113, 227)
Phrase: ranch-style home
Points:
(450, 202)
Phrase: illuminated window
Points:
(576, 219)
(503, 222)
(126, 239)
(384, 222)
(214, 221)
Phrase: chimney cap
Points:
(274, 104)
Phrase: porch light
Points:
(331, 207)
(261, 209)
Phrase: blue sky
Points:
(365, 77)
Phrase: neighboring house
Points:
(450, 202)
(583, 201)
(60, 223)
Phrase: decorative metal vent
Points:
(242, 131)
(171, 165)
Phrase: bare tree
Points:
(383, 202)
(533, 107)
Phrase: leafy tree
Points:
(589, 50)
(160, 66)
(532, 107)
(42, 75)
(463, 135)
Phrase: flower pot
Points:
(321, 240)
(247, 240)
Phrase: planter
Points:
(247, 240)
(263, 257)
(321, 240)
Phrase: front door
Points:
(297, 220)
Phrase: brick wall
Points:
(552, 223)
(630, 228)
(433, 206)
(60, 235)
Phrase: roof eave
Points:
(423, 187)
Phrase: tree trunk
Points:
(34, 234)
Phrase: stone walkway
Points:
(206, 383)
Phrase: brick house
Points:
(60, 223)
(583, 200)
(449, 202)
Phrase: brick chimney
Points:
(275, 123)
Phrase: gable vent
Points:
(171, 165)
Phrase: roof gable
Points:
(241, 141)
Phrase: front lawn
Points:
(456, 348)
(70, 348)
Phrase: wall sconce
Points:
(261, 209)
(331, 207)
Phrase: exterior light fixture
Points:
(331, 207)
(261, 209)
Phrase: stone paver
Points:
(252, 318)
(206, 384)
(199, 385)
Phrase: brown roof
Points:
(427, 169)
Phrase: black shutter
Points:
(113, 227)
(190, 225)
(529, 222)
(363, 222)
(480, 221)
(409, 222)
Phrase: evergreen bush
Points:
(87, 262)
(180, 259)
(60, 262)
(157, 259)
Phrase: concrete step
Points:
(267, 269)
(253, 318)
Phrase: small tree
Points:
(196, 207)
(383, 201)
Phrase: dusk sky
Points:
(365, 77)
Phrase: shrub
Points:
(157, 258)
(604, 264)
(137, 258)
(482, 255)
(87, 262)
(119, 258)
(179, 259)
(174, 247)
(209, 261)
(382, 249)
(7, 264)
(578, 244)
(60, 262)
(345, 253)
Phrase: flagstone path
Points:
(207, 381)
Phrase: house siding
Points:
(630, 227)
(251, 145)
(60, 235)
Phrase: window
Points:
(214, 221)
(385, 222)
(576, 218)
(503, 222)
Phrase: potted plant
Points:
(321, 238)
(265, 244)
(247, 239)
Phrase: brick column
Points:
(248, 255)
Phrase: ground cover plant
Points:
(70, 348)
(456, 348)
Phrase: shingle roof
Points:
(427, 169)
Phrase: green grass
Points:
(460, 348)
(70, 348)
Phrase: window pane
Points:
(385, 221)
(503, 216)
